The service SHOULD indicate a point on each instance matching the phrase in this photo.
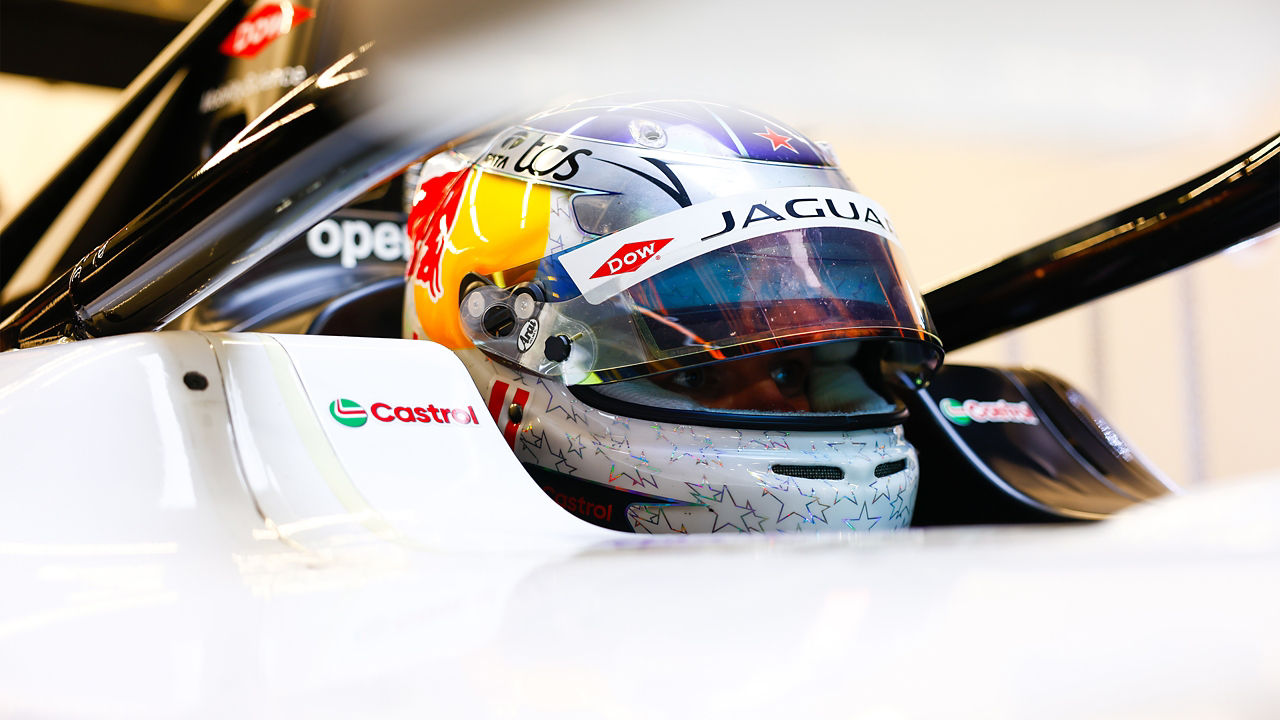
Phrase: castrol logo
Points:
(348, 412)
(352, 414)
(996, 411)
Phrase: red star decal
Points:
(777, 140)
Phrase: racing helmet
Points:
(681, 314)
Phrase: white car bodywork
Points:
(235, 550)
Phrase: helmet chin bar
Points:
(518, 326)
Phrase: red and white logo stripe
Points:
(340, 410)
(498, 404)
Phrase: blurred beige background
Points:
(985, 128)
(1182, 365)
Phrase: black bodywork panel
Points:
(1018, 445)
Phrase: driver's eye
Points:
(689, 379)
(789, 377)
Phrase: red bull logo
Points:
(471, 221)
(431, 224)
(630, 257)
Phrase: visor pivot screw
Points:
(648, 133)
(557, 347)
(525, 306)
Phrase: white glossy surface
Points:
(140, 581)
(418, 484)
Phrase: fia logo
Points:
(516, 139)
(539, 159)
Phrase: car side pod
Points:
(1003, 445)
(234, 442)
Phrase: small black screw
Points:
(515, 413)
(195, 380)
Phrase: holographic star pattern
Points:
(898, 505)
(728, 512)
(563, 404)
(817, 509)
(575, 444)
(531, 440)
(638, 479)
(791, 500)
(512, 375)
(880, 488)
(657, 519)
(727, 472)
(863, 522)
(562, 465)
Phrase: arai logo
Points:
(998, 411)
(348, 412)
(528, 333)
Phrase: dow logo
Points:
(348, 412)
(630, 257)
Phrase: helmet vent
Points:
(810, 472)
(499, 321)
(889, 468)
